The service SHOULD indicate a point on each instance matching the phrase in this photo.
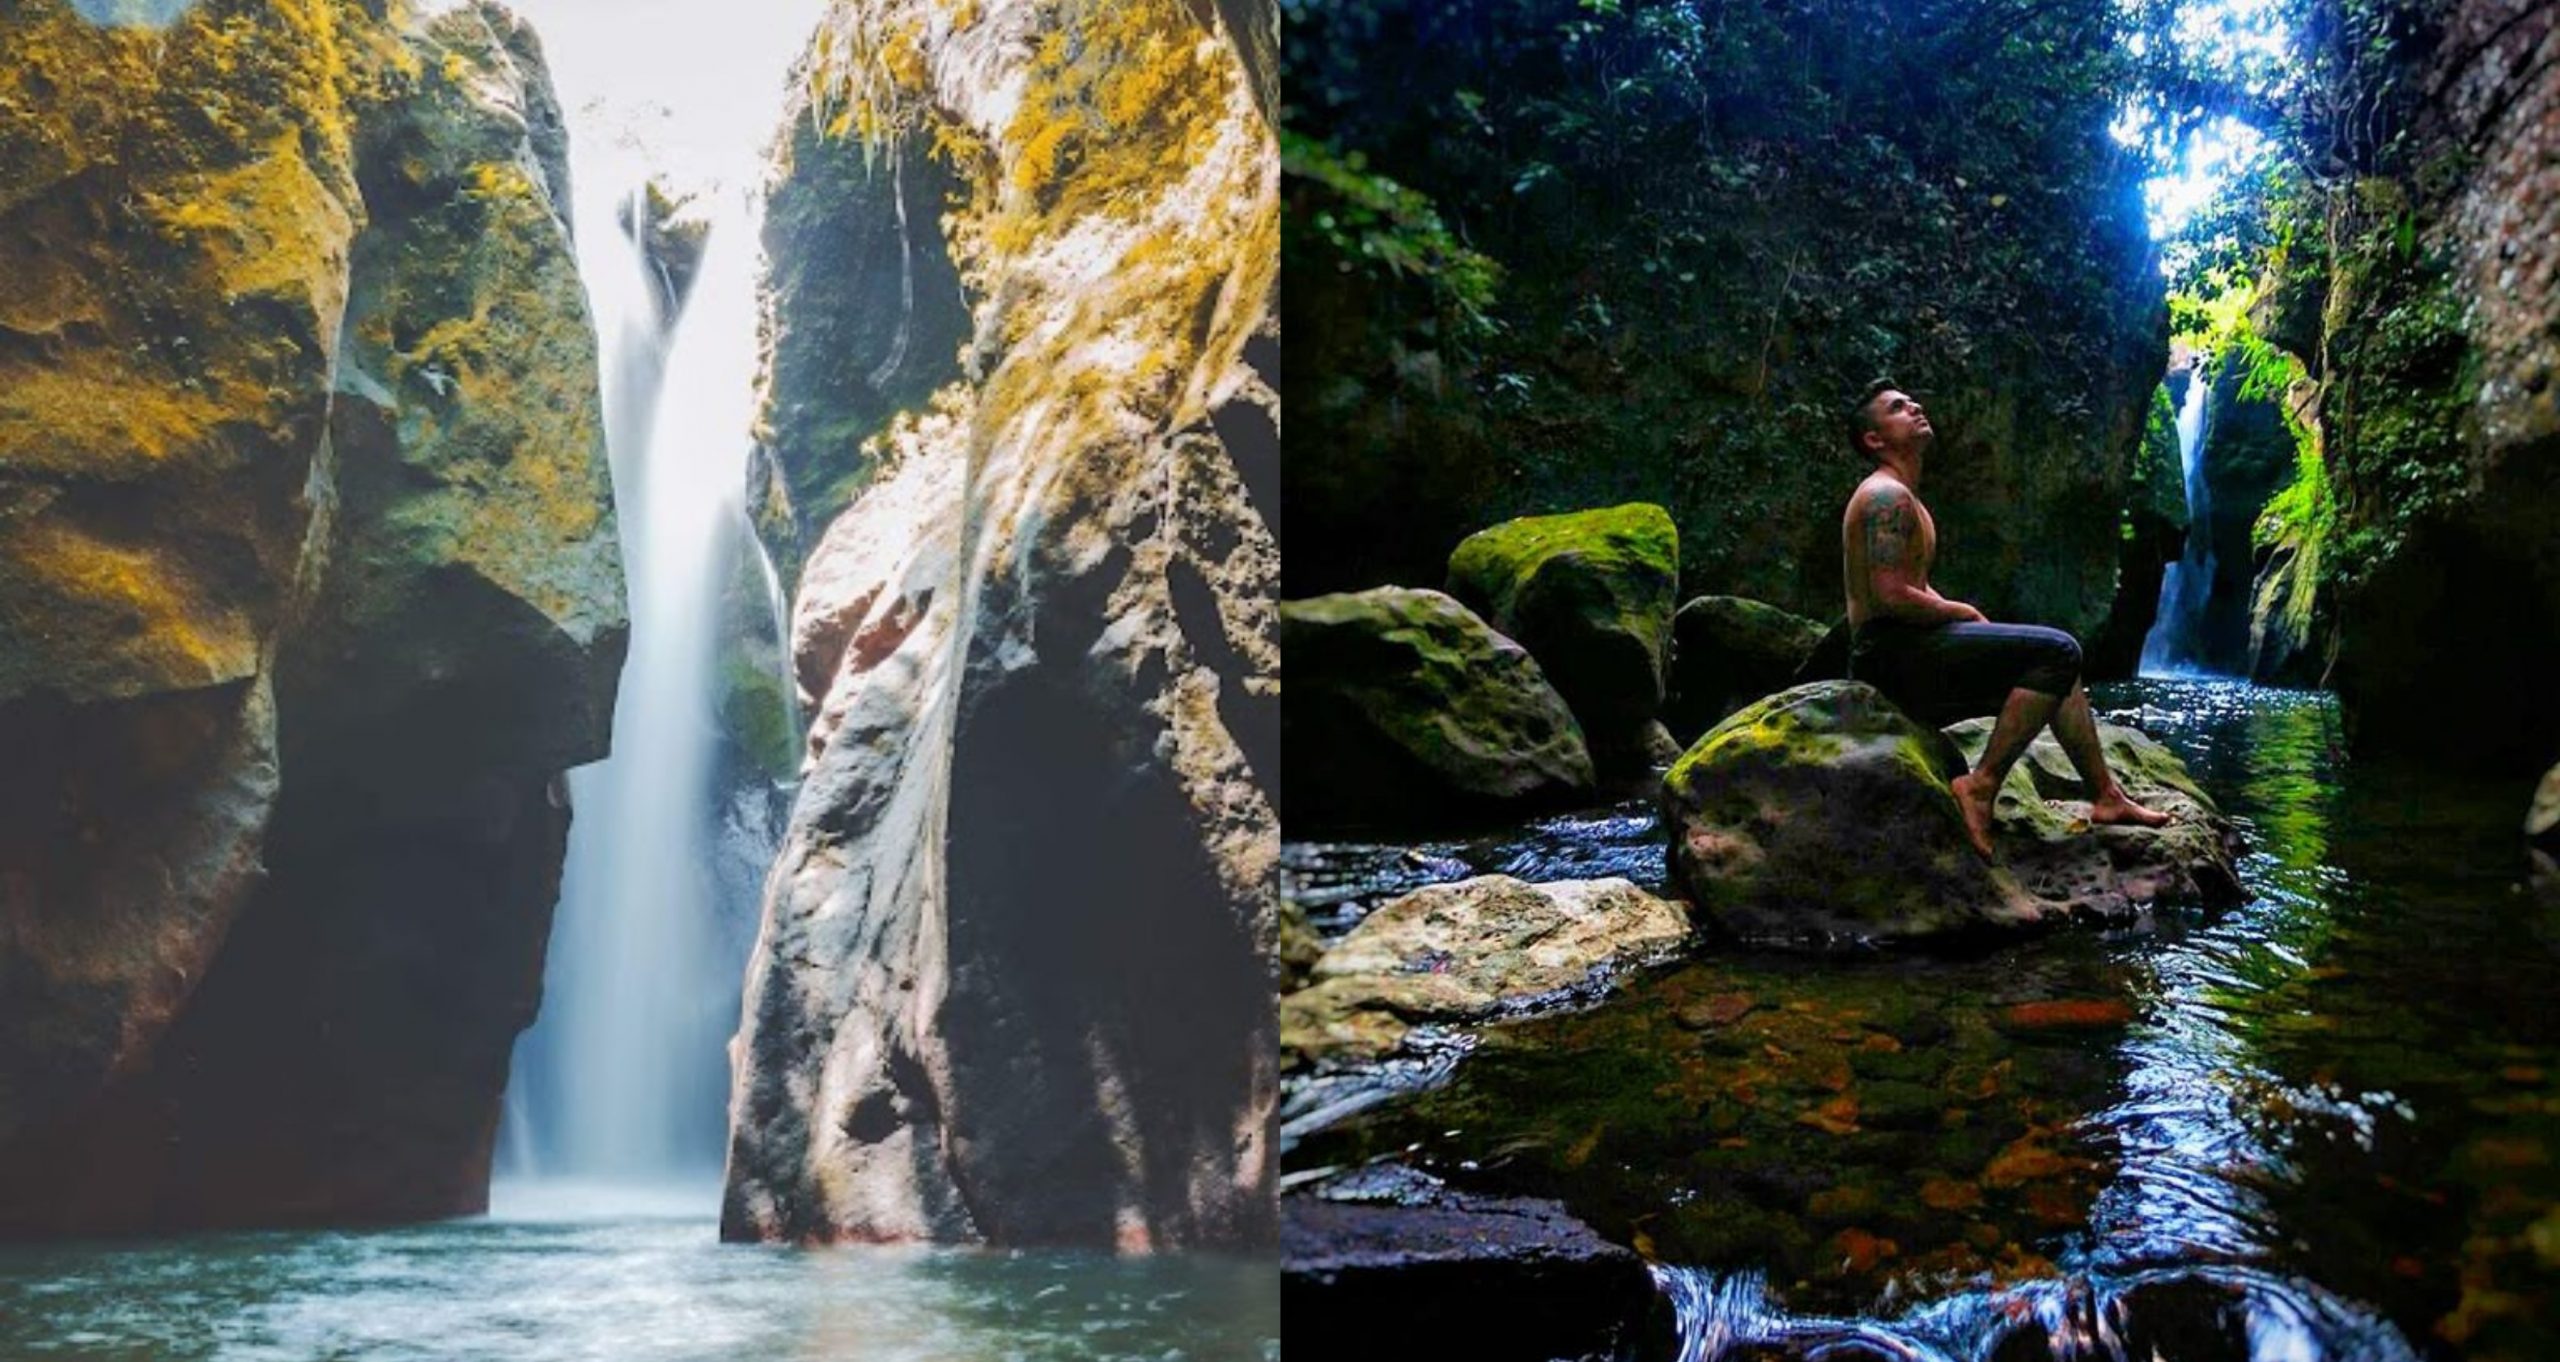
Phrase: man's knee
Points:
(2057, 667)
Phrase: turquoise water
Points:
(636, 1288)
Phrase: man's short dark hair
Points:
(1862, 417)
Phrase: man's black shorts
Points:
(1939, 673)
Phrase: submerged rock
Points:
(1590, 595)
(1406, 708)
(313, 563)
(1469, 951)
(1727, 651)
(1014, 981)
(1433, 1272)
(1824, 812)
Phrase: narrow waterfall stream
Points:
(623, 1079)
(2170, 648)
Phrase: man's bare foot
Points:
(1975, 798)
(2118, 807)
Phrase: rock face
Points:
(311, 571)
(1823, 812)
(1468, 951)
(2439, 418)
(1590, 595)
(1012, 983)
(1407, 708)
(1726, 652)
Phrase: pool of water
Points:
(637, 1285)
(2322, 1124)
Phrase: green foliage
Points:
(1368, 223)
(1715, 220)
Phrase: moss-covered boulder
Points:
(1405, 709)
(309, 557)
(1463, 952)
(1823, 812)
(2043, 835)
(1727, 651)
(1590, 595)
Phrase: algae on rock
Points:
(1013, 984)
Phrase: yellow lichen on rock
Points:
(143, 604)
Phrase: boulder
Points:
(392, 556)
(1824, 812)
(2108, 872)
(1727, 651)
(1435, 1272)
(1590, 594)
(1013, 982)
(1405, 709)
(1468, 951)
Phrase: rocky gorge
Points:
(1011, 986)
(311, 592)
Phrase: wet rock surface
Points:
(1401, 1266)
(1469, 951)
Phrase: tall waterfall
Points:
(623, 1079)
(2170, 648)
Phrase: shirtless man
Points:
(1940, 660)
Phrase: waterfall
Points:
(623, 1079)
(2170, 648)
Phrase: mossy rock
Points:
(1727, 651)
(1823, 813)
(1472, 950)
(1590, 595)
(1407, 710)
(2043, 834)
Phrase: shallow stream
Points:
(2322, 1124)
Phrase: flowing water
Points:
(2170, 648)
(538, 1287)
(2321, 1125)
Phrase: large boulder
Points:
(1405, 708)
(1590, 594)
(396, 627)
(1824, 812)
(1464, 952)
(1727, 651)
(1013, 984)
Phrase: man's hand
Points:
(1966, 614)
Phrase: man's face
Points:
(1900, 423)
